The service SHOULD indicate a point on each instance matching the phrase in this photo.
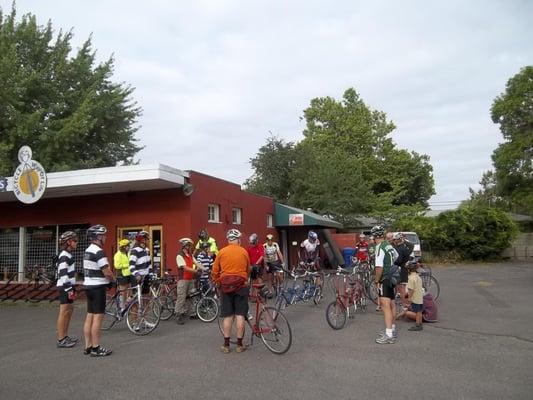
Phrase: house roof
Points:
(292, 216)
(106, 180)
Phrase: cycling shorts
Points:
(235, 303)
(63, 296)
(273, 267)
(386, 290)
(95, 299)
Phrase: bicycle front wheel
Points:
(110, 314)
(207, 309)
(144, 318)
(336, 314)
(167, 307)
(275, 330)
(318, 296)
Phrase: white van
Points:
(413, 238)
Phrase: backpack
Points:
(232, 283)
(430, 312)
(393, 275)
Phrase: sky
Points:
(216, 78)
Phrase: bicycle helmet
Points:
(378, 231)
(253, 238)
(312, 236)
(233, 234)
(203, 235)
(185, 241)
(142, 235)
(362, 236)
(270, 237)
(66, 236)
(123, 243)
(396, 236)
(95, 231)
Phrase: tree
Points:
(272, 170)
(347, 163)
(511, 183)
(65, 108)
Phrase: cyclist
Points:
(256, 252)
(97, 277)
(140, 262)
(361, 248)
(233, 262)
(273, 262)
(204, 237)
(65, 285)
(122, 265)
(206, 260)
(385, 257)
(404, 250)
(187, 267)
(309, 248)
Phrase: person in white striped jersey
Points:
(65, 286)
(141, 266)
(97, 278)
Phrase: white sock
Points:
(388, 332)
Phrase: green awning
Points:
(292, 216)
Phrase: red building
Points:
(167, 202)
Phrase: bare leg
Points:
(87, 330)
(96, 329)
(228, 321)
(70, 310)
(387, 311)
(63, 314)
(240, 325)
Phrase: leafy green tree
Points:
(510, 185)
(65, 108)
(272, 169)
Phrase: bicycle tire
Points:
(207, 309)
(167, 308)
(144, 323)
(336, 315)
(318, 295)
(34, 291)
(373, 294)
(110, 314)
(433, 287)
(279, 330)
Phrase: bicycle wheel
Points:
(167, 308)
(110, 314)
(275, 330)
(143, 319)
(207, 309)
(373, 294)
(318, 296)
(432, 286)
(35, 290)
(336, 314)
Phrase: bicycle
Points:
(42, 280)
(142, 313)
(429, 281)
(301, 294)
(349, 292)
(270, 324)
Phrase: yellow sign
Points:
(29, 179)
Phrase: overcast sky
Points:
(214, 77)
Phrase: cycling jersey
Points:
(271, 252)
(66, 271)
(122, 263)
(94, 260)
(311, 249)
(185, 260)
(140, 261)
(385, 256)
(362, 251)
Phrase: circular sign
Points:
(29, 179)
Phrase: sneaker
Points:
(415, 328)
(240, 349)
(87, 351)
(378, 308)
(100, 351)
(385, 340)
(225, 349)
(180, 320)
(65, 343)
(73, 339)
(394, 333)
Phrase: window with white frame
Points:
(270, 221)
(213, 213)
(236, 215)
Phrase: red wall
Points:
(228, 195)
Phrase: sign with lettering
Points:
(29, 179)
(296, 219)
(3, 184)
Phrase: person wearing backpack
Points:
(386, 278)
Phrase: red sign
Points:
(296, 219)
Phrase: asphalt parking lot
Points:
(481, 348)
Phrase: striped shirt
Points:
(94, 261)
(140, 261)
(207, 262)
(65, 271)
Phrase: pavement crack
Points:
(501, 335)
